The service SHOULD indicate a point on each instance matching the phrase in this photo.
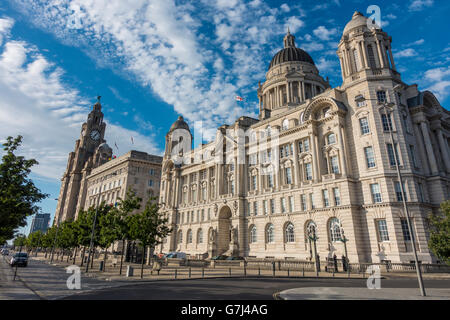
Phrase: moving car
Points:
(19, 259)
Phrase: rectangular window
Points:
(387, 122)
(249, 209)
(413, 156)
(334, 164)
(308, 171)
(265, 208)
(283, 205)
(270, 180)
(303, 145)
(391, 154)
(360, 104)
(405, 230)
(291, 204)
(381, 96)
(152, 172)
(303, 202)
(420, 192)
(383, 234)
(255, 208)
(398, 191)
(326, 200)
(288, 175)
(364, 124)
(370, 158)
(337, 196)
(254, 186)
(311, 200)
(376, 194)
(272, 206)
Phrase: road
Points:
(43, 281)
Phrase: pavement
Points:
(339, 293)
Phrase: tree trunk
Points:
(45, 253)
(62, 255)
(121, 256)
(82, 256)
(104, 260)
(142, 262)
(75, 255)
(93, 257)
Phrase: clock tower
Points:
(91, 137)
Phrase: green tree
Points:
(440, 233)
(20, 241)
(67, 237)
(48, 239)
(149, 227)
(34, 240)
(18, 194)
(108, 232)
(122, 224)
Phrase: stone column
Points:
(444, 149)
(429, 148)
(342, 151)
(295, 172)
(362, 54)
(303, 91)
(313, 140)
(380, 54)
(392, 58)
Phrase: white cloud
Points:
(37, 104)
(163, 45)
(437, 80)
(326, 65)
(419, 5)
(323, 33)
(407, 53)
(5, 26)
(285, 7)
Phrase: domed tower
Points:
(365, 51)
(291, 79)
(178, 140)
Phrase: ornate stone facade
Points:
(93, 176)
(336, 163)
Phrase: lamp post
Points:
(54, 241)
(387, 111)
(313, 237)
(344, 240)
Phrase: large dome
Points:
(179, 124)
(290, 53)
(358, 20)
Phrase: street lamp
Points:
(344, 240)
(387, 111)
(56, 236)
(313, 237)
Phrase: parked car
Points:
(5, 252)
(235, 258)
(19, 259)
(169, 255)
(221, 257)
(179, 255)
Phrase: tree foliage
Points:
(440, 233)
(18, 194)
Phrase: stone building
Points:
(318, 158)
(94, 175)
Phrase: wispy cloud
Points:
(419, 5)
(407, 53)
(37, 104)
(437, 80)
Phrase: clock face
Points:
(95, 135)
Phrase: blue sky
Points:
(154, 60)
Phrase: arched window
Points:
(253, 238)
(335, 230)
(285, 125)
(189, 236)
(270, 233)
(356, 65)
(200, 236)
(326, 112)
(310, 229)
(331, 138)
(289, 233)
